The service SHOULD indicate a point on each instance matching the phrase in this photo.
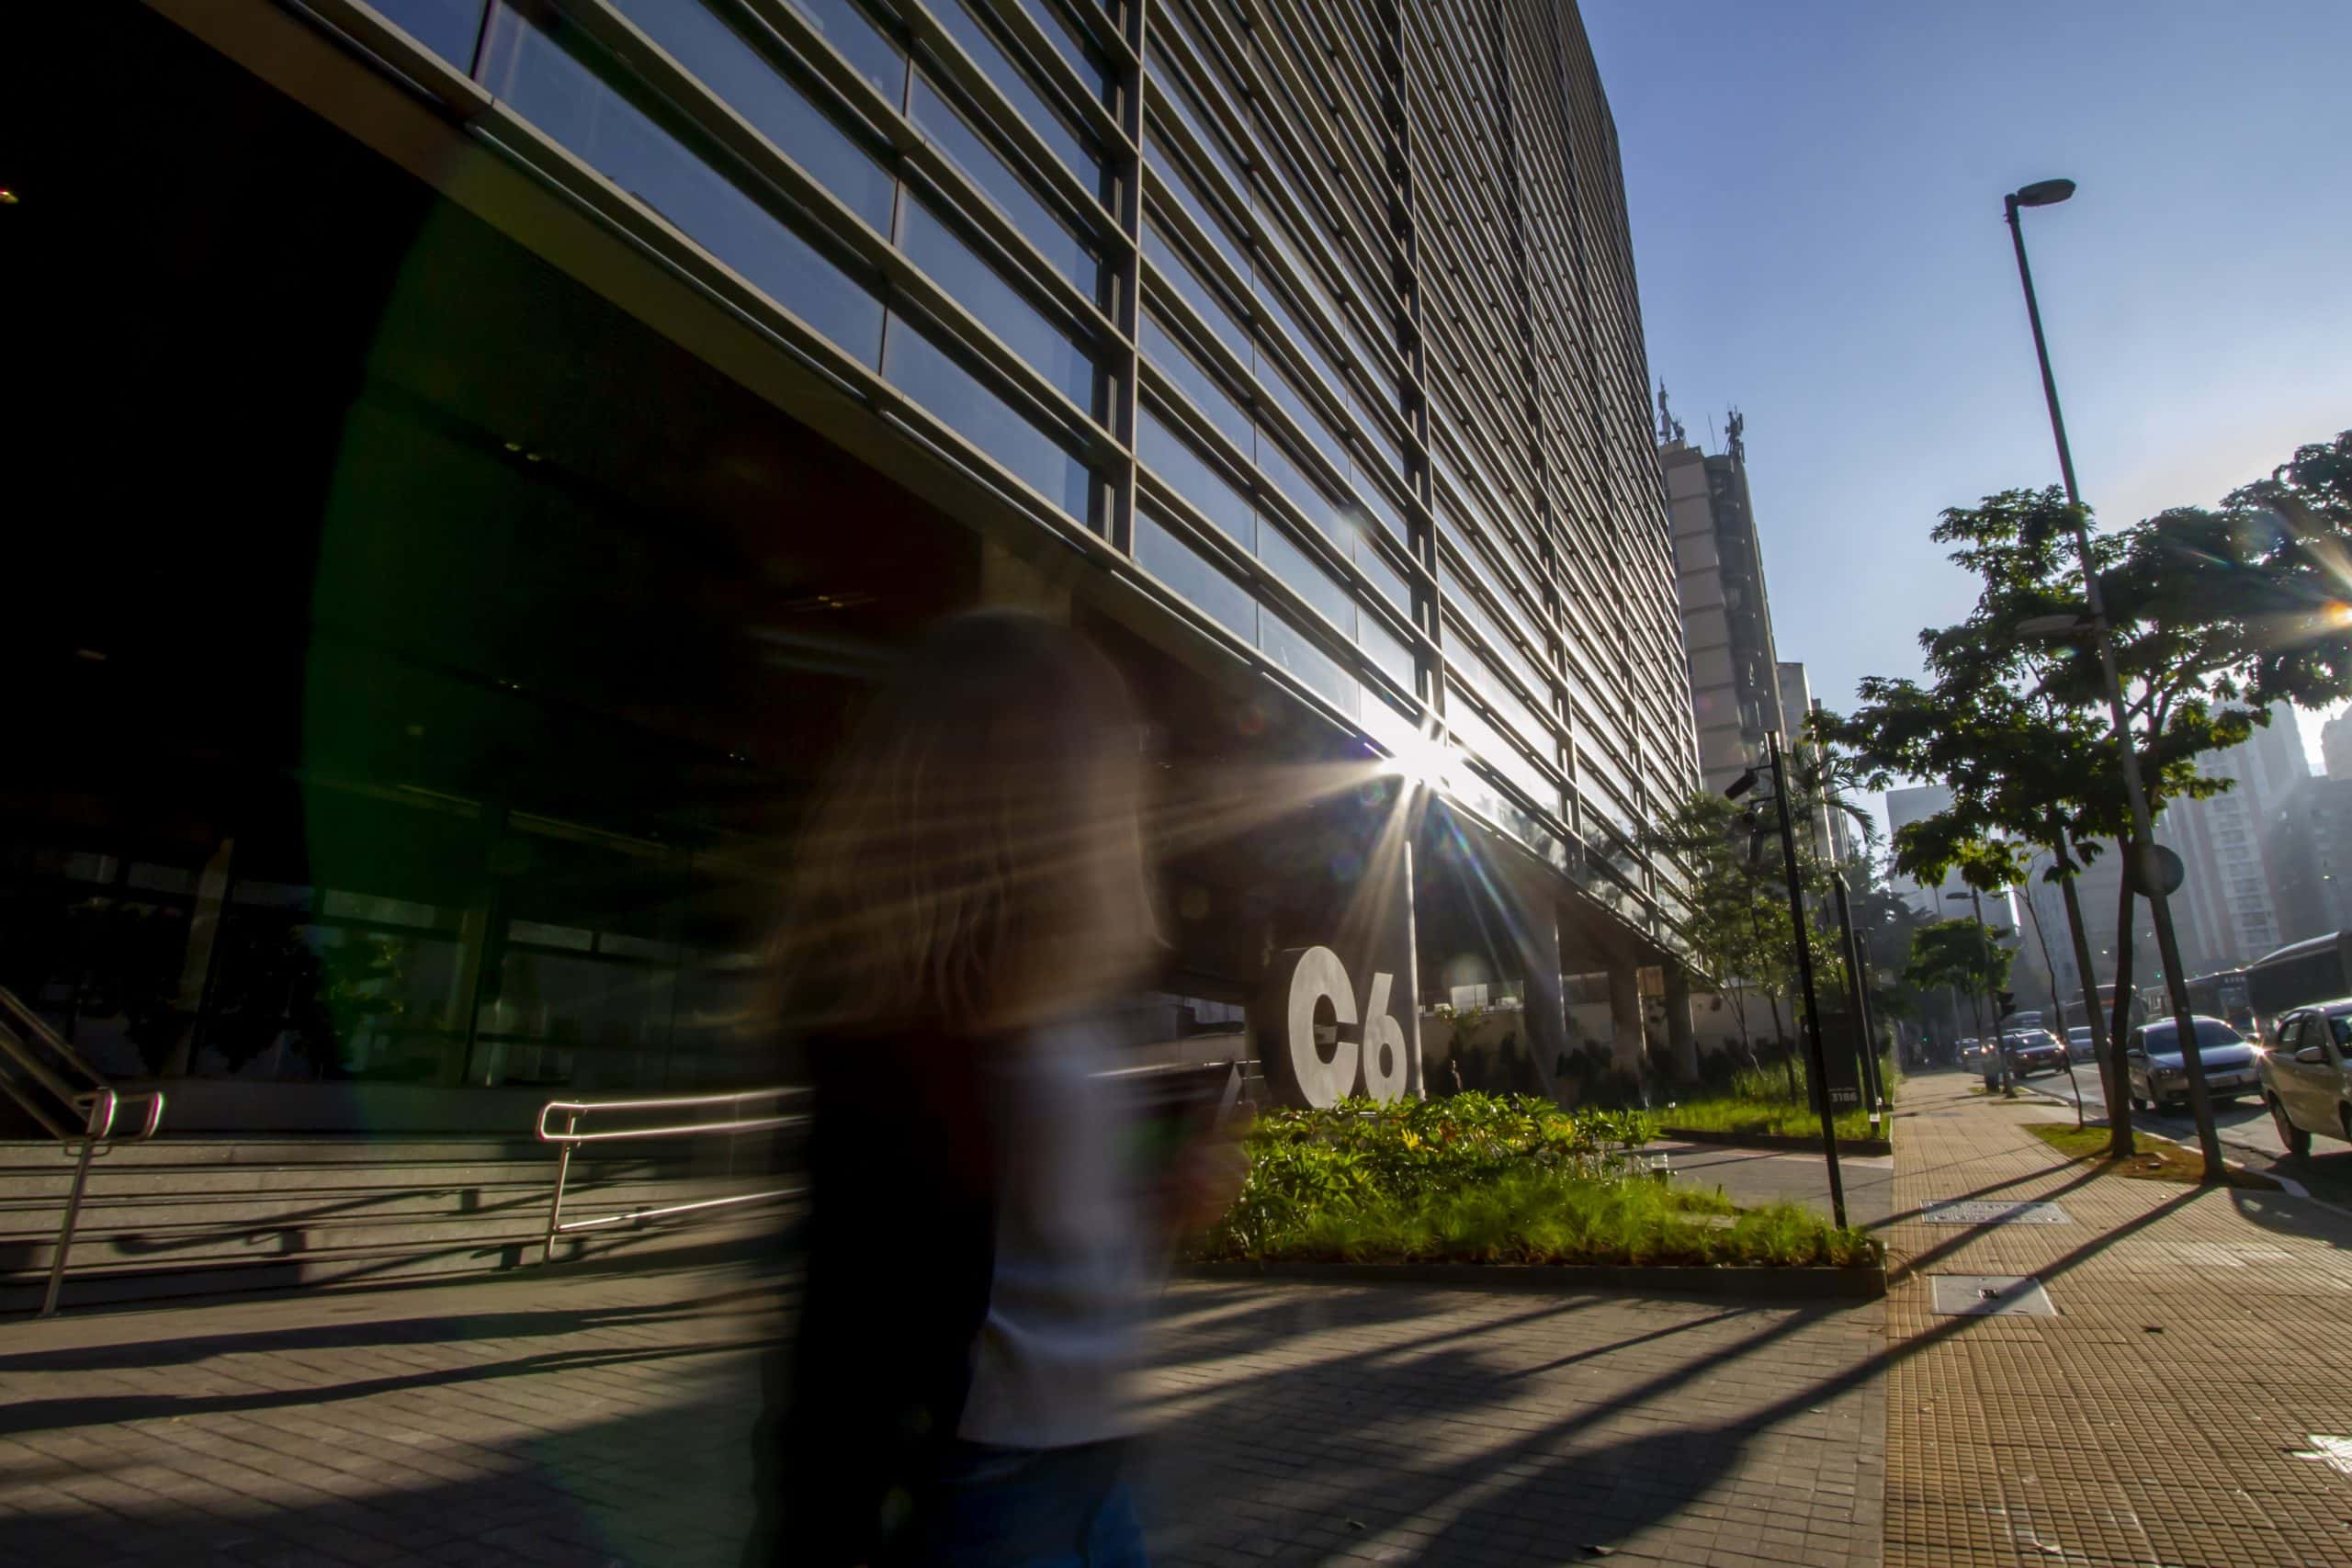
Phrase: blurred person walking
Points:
(969, 891)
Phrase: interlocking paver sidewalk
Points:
(2170, 1413)
(602, 1420)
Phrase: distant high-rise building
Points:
(1726, 617)
(2226, 912)
(1947, 900)
(1835, 830)
(2336, 746)
(2307, 845)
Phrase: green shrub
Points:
(1491, 1179)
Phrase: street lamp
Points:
(2141, 866)
(1816, 1057)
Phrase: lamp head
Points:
(1740, 785)
(2044, 193)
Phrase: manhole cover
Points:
(1977, 1211)
(1989, 1296)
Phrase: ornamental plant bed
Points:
(1486, 1179)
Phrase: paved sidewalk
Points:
(602, 1421)
(1754, 1177)
(2176, 1411)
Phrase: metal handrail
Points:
(21, 1028)
(572, 1137)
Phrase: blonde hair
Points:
(975, 861)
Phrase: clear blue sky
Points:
(1815, 192)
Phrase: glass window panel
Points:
(1377, 501)
(864, 45)
(927, 373)
(1285, 392)
(1173, 180)
(1317, 670)
(561, 95)
(1467, 664)
(447, 28)
(1176, 563)
(1391, 582)
(961, 145)
(1470, 727)
(1317, 360)
(1298, 277)
(1297, 569)
(1199, 386)
(1178, 95)
(1079, 153)
(1308, 497)
(1209, 306)
(1076, 51)
(750, 87)
(1000, 308)
(1386, 454)
(1173, 459)
(1387, 651)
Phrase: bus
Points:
(2223, 995)
(2073, 1008)
(2319, 970)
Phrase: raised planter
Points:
(1781, 1141)
(1755, 1284)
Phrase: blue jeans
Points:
(1033, 1508)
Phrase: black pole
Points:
(2142, 856)
(1858, 992)
(1816, 1057)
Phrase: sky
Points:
(1816, 188)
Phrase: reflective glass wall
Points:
(1321, 315)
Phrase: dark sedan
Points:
(2032, 1050)
(2160, 1078)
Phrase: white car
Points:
(2307, 1074)
(2080, 1045)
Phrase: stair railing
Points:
(734, 1125)
(70, 1099)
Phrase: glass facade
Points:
(1325, 314)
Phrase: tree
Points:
(1739, 928)
(1961, 953)
(2216, 614)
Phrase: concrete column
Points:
(1681, 1045)
(1534, 922)
(1626, 1018)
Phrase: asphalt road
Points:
(2246, 1133)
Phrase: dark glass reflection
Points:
(562, 97)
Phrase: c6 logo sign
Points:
(1299, 981)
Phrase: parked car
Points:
(2079, 1043)
(2307, 1074)
(2032, 1050)
(2158, 1077)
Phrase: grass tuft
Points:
(2158, 1159)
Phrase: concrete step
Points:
(143, 1241)
(477, 1201)
(747, 1232)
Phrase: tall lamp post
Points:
(1814, 1058)
(2140, 865)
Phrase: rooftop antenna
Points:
(1734, 423)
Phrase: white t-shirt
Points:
(1064, 1330)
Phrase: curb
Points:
(1782, 1142)
(1777, 1284)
